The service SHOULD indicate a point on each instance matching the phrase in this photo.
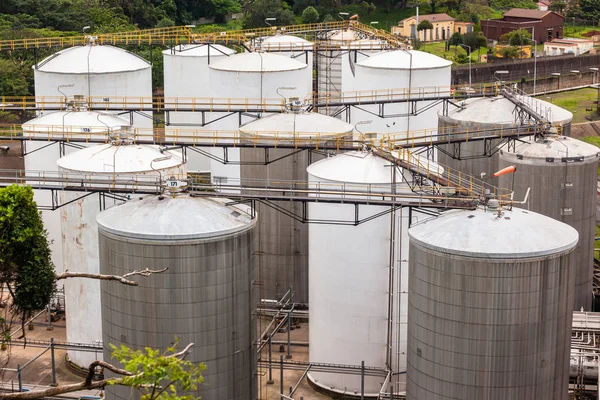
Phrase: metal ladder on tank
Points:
(527, 108)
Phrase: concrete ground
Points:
(37, 374)
(290, 377)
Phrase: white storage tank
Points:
(79, 229)
(490, 306)
(186, 75)
(425, 74)
(349, 275)
(562, 175)
(252, 76)
(291, 46)
(105, 73)
(493, 114)
(283, 240)
(41, 156)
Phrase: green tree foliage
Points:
(474, 40)
(13, 80)
(221, 8)
(461, 58)
(559, 6)
(505, 5)
(589, 10)
(424, 25)
(25, 265)
(159, 376)
(259, 10)
(310, 15)
(511, 52)
(519, 37)
(456, 39)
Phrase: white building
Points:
(573, 46)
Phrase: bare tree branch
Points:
(98, 363)
(122, 279)
(87, 384)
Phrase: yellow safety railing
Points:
(278, 104)
(181, 34)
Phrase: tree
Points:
(158, 376)
(222, 8)
(424, 25)
(456, 39)
(519, 37)
(259, 10)
(25, 266)
(558, 6)
(589, 10)
(26, 269)
(474, 40)
(310, 15)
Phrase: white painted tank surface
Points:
(186, 75)
(283, 240)
(253, 76)
(349, 269)
(101, 72)
(79, 228)
(41, 156)
(291, 46)
(400, 70)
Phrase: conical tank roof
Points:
(199, 50)
(404, 60)
(553, 148)
(499, 110)
(76, 119)
(92, 59)
(257, 62)
(182, 217)
(122, 159)
(360, 167)
(485, 234)
(305, 125)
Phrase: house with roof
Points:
(545, 25)
(443, 27)
(565, 46)
(543, 5)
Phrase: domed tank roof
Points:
(89, 119)
(285, 39)
(175, 218)
(303, 125)
(108, 159)
(366, 44)
(483, 234)
(257, 62)
(499, 110)
(347, 35)
(553, 147)
(401, 59)
(198, 50)
(353, 167)
(99, 59)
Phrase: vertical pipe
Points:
(362, 380)
(289, 330)
(270, 380)
(19, 377)
(53, 384)
(281, 377)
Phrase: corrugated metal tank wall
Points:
(204, 298)
(490, 325)
(283, 240)
(491, 113)
(565, 191)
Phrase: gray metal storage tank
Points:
(487, 113)
(562, 173)
(205, 296)
(283, 240)
(489, 306)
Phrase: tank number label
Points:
(86, 130)
(567, 211)
(172, 183)
(106, 99)
(567, 185)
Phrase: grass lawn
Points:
(577, 31)
(439, 49)
(576, 101)
(597, 243)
